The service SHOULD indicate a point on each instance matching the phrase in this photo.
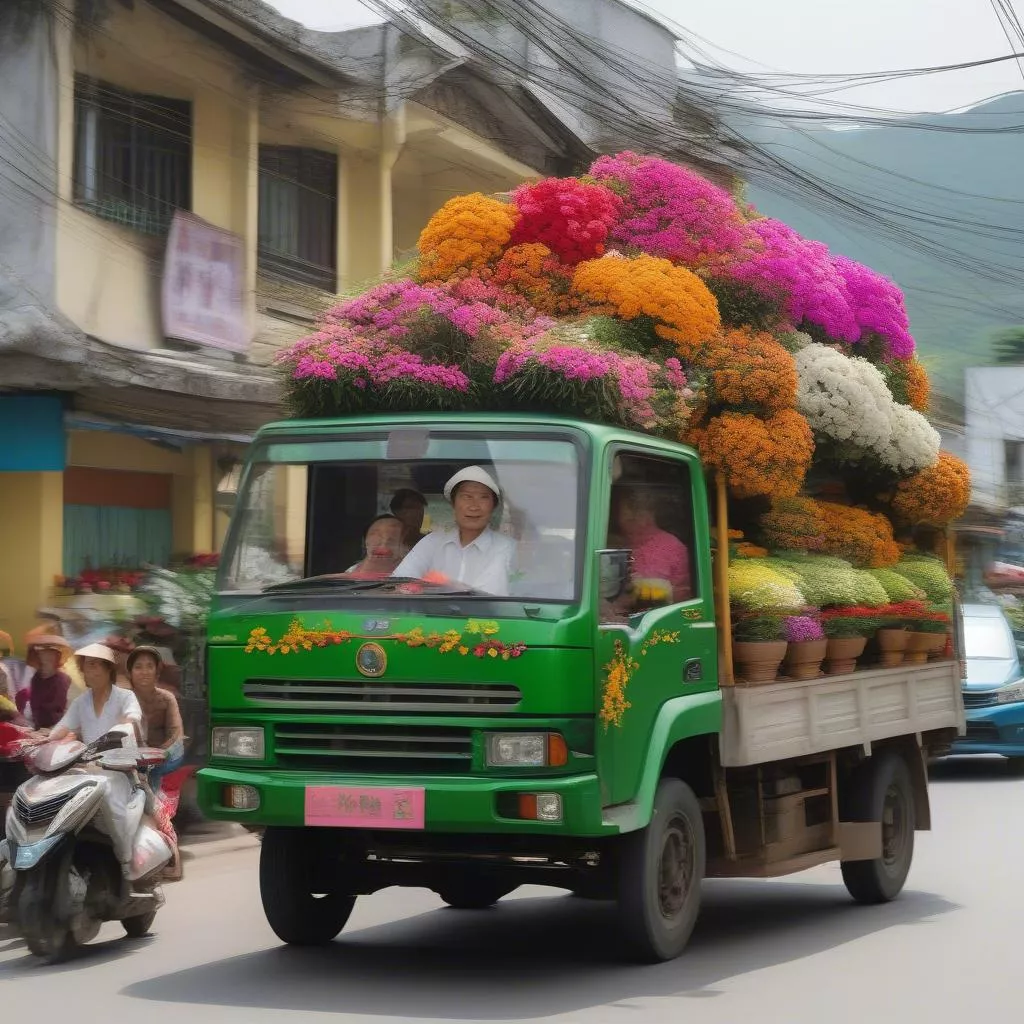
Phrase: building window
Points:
(298, 215)
(133, 155)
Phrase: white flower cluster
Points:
(847, 401)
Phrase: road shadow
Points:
(536, 957)
(974, 768)
(103, 951)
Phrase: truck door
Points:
(656, 640)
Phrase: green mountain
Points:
(934, 201)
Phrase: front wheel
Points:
(881, 790)
(303, 897)
(660, 872)
(42, 895)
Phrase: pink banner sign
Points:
(365, 807)
(204, 273)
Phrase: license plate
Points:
(365, 807)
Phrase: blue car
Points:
(994, 687)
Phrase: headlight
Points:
(231, 742)
(1011, 694)
(525, 750)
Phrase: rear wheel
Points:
(660, 872)
(303, 895)
(137, 927)
(881, 790)
(473, 892)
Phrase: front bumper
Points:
(993, 730)
(464, 804)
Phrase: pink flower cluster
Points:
(395, 308)
(877, 305)
(365, 362)
(571, 217)
(671, 211)
(801, 628)
(803, 273)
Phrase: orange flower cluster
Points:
(759, 457)
(467, 233)
(751, 370)
(935, 496)
(803, 524)
(919, 388)
(679, 302)
(533, 271)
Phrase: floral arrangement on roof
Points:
(644, 296)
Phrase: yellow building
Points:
(307, 163)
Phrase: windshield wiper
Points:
(349, 585)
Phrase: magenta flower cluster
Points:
(671, 211)
(803, 273)
(800, 628)
(877, 305)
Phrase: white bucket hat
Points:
(100, 651)
(478, 475)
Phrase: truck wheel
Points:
(660, 872)
(881, 790)
(474, 893)
(300, 888)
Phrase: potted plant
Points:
(928, 638)
(807, 646)
(759, 645)
(846, 642)
(892, 635)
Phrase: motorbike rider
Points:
(161, 715)
(104, 705)
(45, 699)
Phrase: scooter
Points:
(79, 849)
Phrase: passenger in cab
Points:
(410, 506)
(383, 549)
(472, 554)
(657, 554)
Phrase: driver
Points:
(104, 705)
(472, 554)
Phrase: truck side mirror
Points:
(613, 572)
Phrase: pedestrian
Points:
(44, 701)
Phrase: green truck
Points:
(394, 730)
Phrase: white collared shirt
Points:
(81, 717)
(483, 564)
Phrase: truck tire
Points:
(660, 872)
(293, 871)
(473, 892)
(881, 790)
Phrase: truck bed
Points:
(795, 718)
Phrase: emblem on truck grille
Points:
(371, 660)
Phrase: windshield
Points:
(987, 638)
(369, 515)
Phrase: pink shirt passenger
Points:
(659, 555)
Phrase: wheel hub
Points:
(675, 873)
(894, 827)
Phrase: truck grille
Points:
(979, 700)
(435, 698)
(374, 748)
(982, 732)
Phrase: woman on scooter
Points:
(104, 705)
(160, 713)
(45, 699)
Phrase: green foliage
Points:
(759, 628)
(1008, 346)
(927, 573)
(897, 588)
(636, 335)
(846, 629)
(742, 306)
(181, 597)
(828, 582)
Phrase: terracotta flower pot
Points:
(937, 650)
(893, 644)
(758, 661)
(918, 645)
(803, 659)
(842, 654)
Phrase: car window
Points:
(987, 638)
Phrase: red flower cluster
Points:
(571, 217)
(900, 610)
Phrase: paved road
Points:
(794, 951)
